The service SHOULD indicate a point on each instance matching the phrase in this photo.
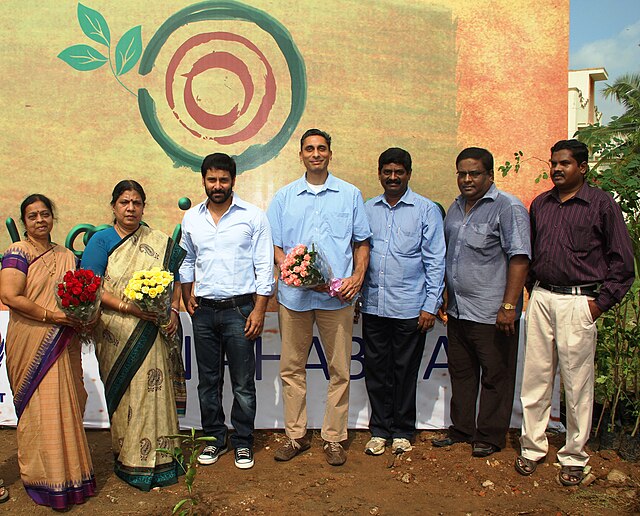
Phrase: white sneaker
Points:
(401, 445)
(375, 446)
(244, 458)
(211, 454)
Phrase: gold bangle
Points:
(120, 305)
(126, 308)
(44, 318)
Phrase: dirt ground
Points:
(423, 481)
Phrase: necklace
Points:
(50, 269)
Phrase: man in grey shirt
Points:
(488, 253)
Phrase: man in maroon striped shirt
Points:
(582, 266)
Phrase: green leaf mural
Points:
(94, 25)
(128, 50)
(82, 57)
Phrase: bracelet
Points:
(44, 318)
(120, 307)
(175, 311)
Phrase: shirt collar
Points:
(409, 197)
(236, 203)
(492, 193)
(585, 193)
(330, 184)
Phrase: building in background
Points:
(582, 108)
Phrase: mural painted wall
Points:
(105, 90)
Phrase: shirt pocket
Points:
(580, 238)
(338, 225)
(476, 236)
(406, 240)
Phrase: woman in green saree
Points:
(141, 369)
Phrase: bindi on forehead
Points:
(42, 213)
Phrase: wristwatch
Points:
(508, 306)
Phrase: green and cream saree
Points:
(141, 370)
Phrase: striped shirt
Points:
(580, 241)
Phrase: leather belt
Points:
(591, 289)
(222, 304)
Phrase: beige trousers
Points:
(296, 330)
(559, 330)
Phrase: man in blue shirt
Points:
(402, 293)
(325, 211)
(488, 253)
(230, 260)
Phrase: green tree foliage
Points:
(616, 152)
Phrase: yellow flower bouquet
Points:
(152, 291)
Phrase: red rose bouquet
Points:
(79, 296)
(304, 267)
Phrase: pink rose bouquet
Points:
(304, 267)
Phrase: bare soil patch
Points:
(424, 481)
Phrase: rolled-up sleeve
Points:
(361, 227)
(515, 232)
(187, 269)
(262, 248)
(433, 251)
(274, 214)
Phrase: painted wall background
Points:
(432, 77)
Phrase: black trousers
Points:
(484, 359)
(393, 350)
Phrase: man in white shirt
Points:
(230, 259)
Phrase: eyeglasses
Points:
(399, 173)
(474, 174)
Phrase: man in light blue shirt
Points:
(323, 210)
(402, 293)
(488, 252)
(227, 279)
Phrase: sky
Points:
(605, 34)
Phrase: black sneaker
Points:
(244, 458)
(211, 454)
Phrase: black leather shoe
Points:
(481, 449)
(447, 441)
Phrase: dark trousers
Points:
(392, 353)
(481, 358)
(216, 333)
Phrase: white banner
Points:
(433, 383)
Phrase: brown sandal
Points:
(525, 466)
(4, 492)
(571, 475)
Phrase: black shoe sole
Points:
(443, 443)
(484, 452)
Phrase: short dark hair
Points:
(578, 149)
(124, 186)
(35, 198)
(219, 161)
(315, 132)
(397, 156)
(477, 153)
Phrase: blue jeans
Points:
(216, 333)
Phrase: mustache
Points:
(392, 182)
